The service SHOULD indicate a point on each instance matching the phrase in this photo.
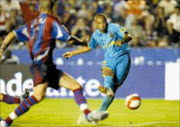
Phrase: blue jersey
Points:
(110, 41)
(41, 34)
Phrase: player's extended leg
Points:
(39, 92)
(122, 70)
(109, 86)
(13, 100)
(108, 75)
(68, 82)
(9, 99)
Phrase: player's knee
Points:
(39, 96)
(107, 72)
(76, 86)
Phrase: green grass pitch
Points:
(65, 112)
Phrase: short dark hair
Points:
(100, 15)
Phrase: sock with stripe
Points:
(108, 100)
(109, 83)
(10, 100)
(81, 101)
(21, 109)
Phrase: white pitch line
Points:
(125, 125)
(155, 122)
(141, 124)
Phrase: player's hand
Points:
(68, 55)
(86, 39)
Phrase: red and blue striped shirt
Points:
(41, 34)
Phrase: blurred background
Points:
(153, 24)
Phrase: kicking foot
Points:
(3, 123)
(82, 120)
(92, 118)
(106, 90)
(96, 116)
(24, 95)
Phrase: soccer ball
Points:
(133, 101)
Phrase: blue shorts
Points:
(120, 66)
(46, 73)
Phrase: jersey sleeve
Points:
(22, 34)
(93, 43)
(59, 32)
(120, 30)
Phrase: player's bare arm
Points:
(7, 41)
(77, 41)
(75, 52)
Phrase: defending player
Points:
(41, 34)
(113, 39)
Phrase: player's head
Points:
(101, 22)
(46, 5)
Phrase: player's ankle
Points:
(86, 111)
(8, 120)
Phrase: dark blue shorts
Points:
(46, 73)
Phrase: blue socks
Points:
(106, 103)
(108, 82)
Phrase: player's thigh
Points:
(108, 68)
(68, 82)
(40, 90)
(123, 69)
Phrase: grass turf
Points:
(65, 112)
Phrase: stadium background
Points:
(155, 27)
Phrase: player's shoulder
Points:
(49, 18)
(55, 19)
(114, 25)
(96, 33)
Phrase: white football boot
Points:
(3, 123)
(97, 116)
(93, 117)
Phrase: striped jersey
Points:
(41, 35)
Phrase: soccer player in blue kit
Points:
(41, 34)
(113, 39)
